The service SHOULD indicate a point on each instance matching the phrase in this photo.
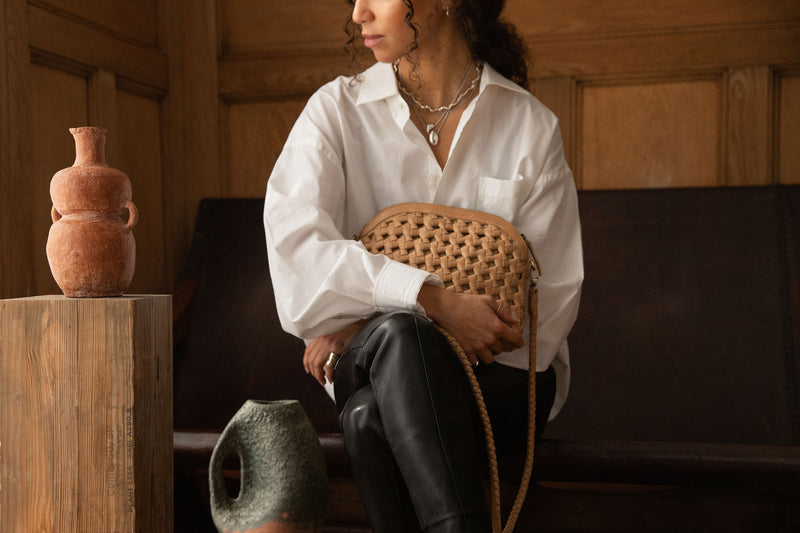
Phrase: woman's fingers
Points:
(486, 357)
(510, 339)
(480, 324)
(328, 366)
(314, 360)
(318, 352)
(488, 334)
(497, 335)
(505, 314)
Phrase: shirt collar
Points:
(378, 82)
(492, 77)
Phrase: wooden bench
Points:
(684, 412)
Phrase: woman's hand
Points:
(319, 350)
(478, 323)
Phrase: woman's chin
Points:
(385, 56)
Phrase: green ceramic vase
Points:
(284, 482)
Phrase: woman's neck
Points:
(435, 74)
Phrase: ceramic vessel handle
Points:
(54, 214)
(133, 214)
(220, 499)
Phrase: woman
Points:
(438, 119)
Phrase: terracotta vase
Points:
(284, 482)
(90, 247)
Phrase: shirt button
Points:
(432, 177)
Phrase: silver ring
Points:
(499, 305)
(331, 359)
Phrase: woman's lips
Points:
(372, 40)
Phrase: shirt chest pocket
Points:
(502, 197)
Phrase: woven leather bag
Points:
(475, 253)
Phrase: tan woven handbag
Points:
(475, 253)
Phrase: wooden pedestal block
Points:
(86, 414)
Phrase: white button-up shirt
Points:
(354, 150)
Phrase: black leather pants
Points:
(411, 430)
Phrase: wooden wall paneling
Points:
(85, 42)
(253, 26)
(749, 126)
(558, 94)
(285, 74)
(167, 165)
(651, 133)
(570, 17)
(59, 103)
(139, 132)
(8, 277)
(670, 50)
(132, 21)
(192, 113)
(283, 50)
(788, 126)
(103, 108)
(16, 157)
(255, 132)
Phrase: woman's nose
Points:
(361, 12)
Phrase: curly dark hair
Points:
(489, 38)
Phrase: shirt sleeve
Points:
(550, 218)
(323, 280)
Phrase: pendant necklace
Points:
(434, 128)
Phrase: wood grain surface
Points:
(86, 414)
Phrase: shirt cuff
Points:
(398, 285)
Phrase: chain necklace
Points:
(456, 101)
(434, 128)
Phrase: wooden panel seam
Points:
(64, 64)
(103, 106)
(559, 95)
(278, 74)
(749, 128)
(780, 73)
(286, 28)
(716, 48)
(92, 45)
(76, 68)
(723, 148)
(650, 77)
(192, 117)
(16, 152)
(645, 32)
(144, 90)
(117, 35)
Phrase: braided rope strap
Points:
(475, 253)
